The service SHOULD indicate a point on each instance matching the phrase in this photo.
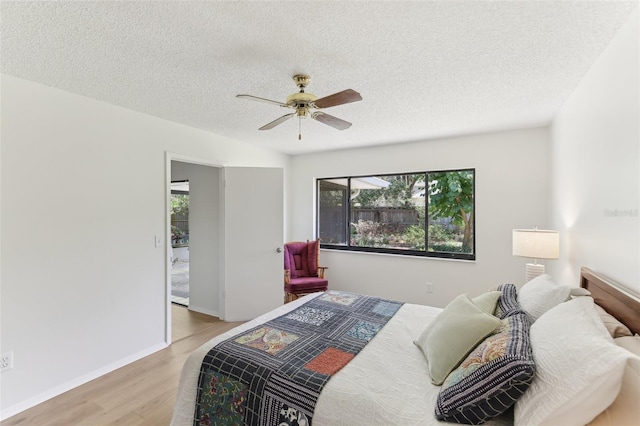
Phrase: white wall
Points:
(83, 195)
(512, 191)
(204, 234)
(596, 167)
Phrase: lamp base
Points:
(533, 270)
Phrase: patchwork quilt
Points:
(273, 373)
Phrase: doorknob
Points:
(279, 250)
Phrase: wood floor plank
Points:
(145, 387)
(154, 411)
(56, 413)
(139, 394)
(115, 418)
(186, 322)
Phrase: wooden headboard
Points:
(607, 293)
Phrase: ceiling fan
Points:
(307, 104)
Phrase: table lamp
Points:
(537, 244)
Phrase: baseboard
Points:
(204, 311)
(58, 390)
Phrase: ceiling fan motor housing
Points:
(301, 102)
(301, 98)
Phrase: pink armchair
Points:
(302, 275)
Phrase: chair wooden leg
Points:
(289, 297)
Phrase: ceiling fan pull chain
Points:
(299, 128)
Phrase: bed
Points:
(388, 380)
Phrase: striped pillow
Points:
(495, 374)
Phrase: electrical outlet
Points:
(429, 287)
(6, 361)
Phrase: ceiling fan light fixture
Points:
(303, 112)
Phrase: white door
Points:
(252, 274)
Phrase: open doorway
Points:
(180, 242)
(193, 236)
(219, 198)
(194, 230)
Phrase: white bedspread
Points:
(387, 383)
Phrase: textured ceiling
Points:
(424, 69)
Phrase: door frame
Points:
(169, 157)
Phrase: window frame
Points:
(392, 251)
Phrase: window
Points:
(419, 214)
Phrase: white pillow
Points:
(625, 410)
(615, 327)
(578, 367)
(542, 293)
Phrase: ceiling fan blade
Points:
(274, 123)
(255, 98)
(344, 97)
(330, 120)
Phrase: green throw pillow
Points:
(455, 332)
(487, 301)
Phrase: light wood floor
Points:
(141, 393)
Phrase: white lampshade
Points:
(536, 243)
